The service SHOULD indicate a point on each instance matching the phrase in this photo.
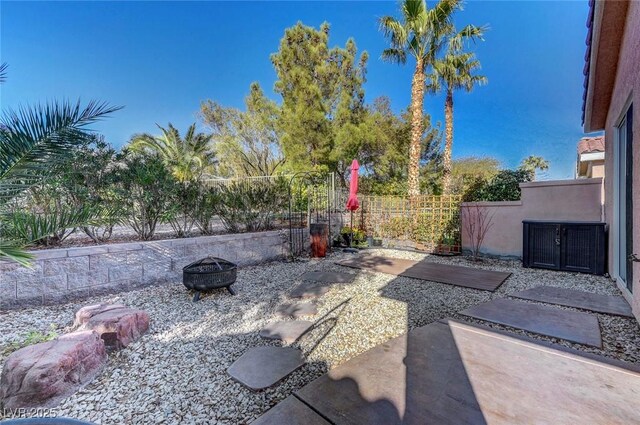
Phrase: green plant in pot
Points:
(359, 237)
(448, 245)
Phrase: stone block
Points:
(65, 265)
(124, 247)
(157, 272)
(7, 289)
(85, 251)
(48, 254)
(126, 271)
(89, 278)
(25, 273)
(56, 283)
(30, 289)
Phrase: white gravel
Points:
(177, 372)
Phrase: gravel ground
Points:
(177, 372)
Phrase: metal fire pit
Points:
(209, 273)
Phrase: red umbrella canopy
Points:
(352, 203)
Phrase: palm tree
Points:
(33, 141)
(421, 33)
(454, 71)
(532, 164)
(188, 158)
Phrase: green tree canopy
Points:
(322, 99)
(247, 142)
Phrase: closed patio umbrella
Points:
(352, 203)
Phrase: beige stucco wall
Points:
(574, 200)
(626, 91)
(596, 169)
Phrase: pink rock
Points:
(87, 312)
(116, 324)
(43, 374)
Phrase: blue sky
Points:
(161, 59)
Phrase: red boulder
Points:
(116, 324)
(42, 375)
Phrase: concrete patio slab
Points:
(468, 277)
(453, 373)
(288, 331)
(328, 277)
(608, 304)
(290, 411)
(309, 290)
(582, 328)
(263, 367)
(296, 310)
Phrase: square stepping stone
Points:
(286, 331)
(328, 277)
(290, 411)
(297, 310)
(263, 367)
(309, 290)
(608, 304)
(457, 373)
(582, 328)
(467, 277)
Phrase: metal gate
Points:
(311, 200)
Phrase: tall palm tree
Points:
(454, 71)
(422, 33)
(188, 158)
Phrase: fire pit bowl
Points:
(209, 273)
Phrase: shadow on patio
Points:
(450, 372)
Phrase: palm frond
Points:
(413, 10)
(33, 140)
(394, 55)
(394, 30)
(468, 33)
(3, 72)
(15, 251)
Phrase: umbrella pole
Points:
(351, 241)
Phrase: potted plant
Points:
(448, 245)
(354, 237)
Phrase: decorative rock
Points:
(262, 367)
(286, 331)
(116, 324)
(297, 310)
(328, 277)
(87, 312)
(309, 290)
(43, 374)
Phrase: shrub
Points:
(205, 208)
(57, 225)
(89, 180)
(145, 192)
(504, 186)
(184, 197)
(251, 206)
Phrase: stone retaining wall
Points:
(60, 275)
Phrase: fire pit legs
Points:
(196, 297)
